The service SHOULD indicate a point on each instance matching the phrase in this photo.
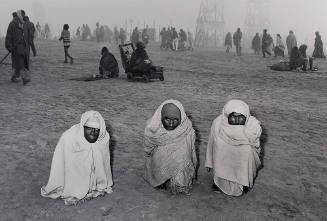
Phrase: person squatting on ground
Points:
(280, 47)
(237, 38)
(31, 30)
(256, 44)
(233, 149)
(291, 42)
(267, 43)
(298, 58)
(169, 140)
(108, 66)
(319, 47)
(228, 42)
(65, 37)
(80, 168)
(18, 44)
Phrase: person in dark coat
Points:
(31, 30)
(108, 66)
(256, 43)
(145, 36)
(135, 36)
(237, 38)
(228, 42)
(163, 36)
(266, 42)
(319, 47)
(17, 42)
(298, 58)
(140, 60)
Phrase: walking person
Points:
(17, 43)
(65, 37)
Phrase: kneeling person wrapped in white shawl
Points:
(169, 144)
(80, 166)
(233, 148)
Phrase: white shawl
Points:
(80, 169)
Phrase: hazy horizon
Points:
(299, 15)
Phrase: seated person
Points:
(108, 66)
(169, 146)
(80, 166)
(140, 60)
(233, 149)
(298, 58)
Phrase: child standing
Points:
(65, 36)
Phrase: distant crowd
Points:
(266, 45)
(171, 39)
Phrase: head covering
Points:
(234, 134)
(93, 122)
(156, 133)
(20, 15)
(170, 110)
(80, 169)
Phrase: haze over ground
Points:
(303, 16)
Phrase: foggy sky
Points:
(303, 16)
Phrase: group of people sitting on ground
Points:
(81, 168)
(170, 39)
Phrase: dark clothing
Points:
(266, 42)
(256, 44)
(108, 64)
(319, 48)
(237, 37)
(135, 36)
(31, 30)
(228, 40)
(278, 52)
(297, 59)
(164, 37)
(17, 42)
(138, 61)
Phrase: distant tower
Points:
(257, 18)
(210, 24)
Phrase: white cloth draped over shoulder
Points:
(170, 154)
(233, 150)
(80, 169)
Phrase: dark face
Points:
(170, 123)
(236, 119)
(170, 116)
(91, 134)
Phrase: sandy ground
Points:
(292, 107)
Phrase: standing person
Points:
(291, 42)
(175, 39)
(97, 32)
(280, 47)
(31, 30)
(228, 42)
(80, 168)
(38, 29)
(47, 31)
(122, 36)
(233, 149)
(145, 36)
(163, 36)
(266, 43)
(65, 37)
(319, 47)
(256, 44)
(135, 36)
(237, 38)
(116, 35)
(169, 144)
(190, 40)
(17, 43)
(78, 33)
